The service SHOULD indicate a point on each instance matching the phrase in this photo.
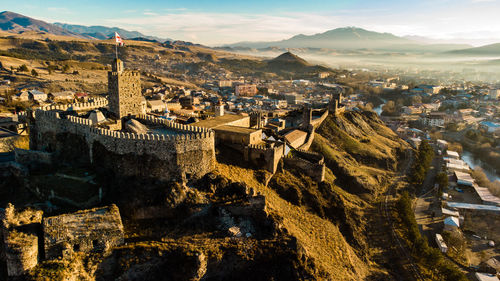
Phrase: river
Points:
(378, 109)
(474, 162)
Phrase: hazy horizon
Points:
(216, 23)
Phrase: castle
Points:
(167, 151)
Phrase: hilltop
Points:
(17, 23)
(289, 58)
(488, 50)
(350, 39)
(293, 227)
(340, 38)
(284, 65)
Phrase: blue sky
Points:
(224, 21)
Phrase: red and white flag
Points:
(118, 39)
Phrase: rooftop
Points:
(486, 196)
(236, 129)
(220, 121)
(478, 207)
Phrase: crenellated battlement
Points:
(97, 103)
(152, 120)
(191, 132)
(190, 152)
(125, 73)
(259, 147)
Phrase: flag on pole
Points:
(118, 39)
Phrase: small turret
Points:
(219, 109)
(117, 66)
(307, 117)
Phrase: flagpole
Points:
(116, 50)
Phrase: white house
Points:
(451, 223)
(157, 105)
(37, 95)
(65, 95)
(440, 242)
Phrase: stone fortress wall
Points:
(265, 156)
(80, 106)
(173, 126)
(309, 163)
(188, 154)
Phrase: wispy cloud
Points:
(60, 10)
(439, 19)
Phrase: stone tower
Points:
(219, 109)
(336, 106)
(124, 89)
(307, 116)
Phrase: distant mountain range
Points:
(488, 50)
(17, 23)
(103, 32)
(353, 38)
(343, 40)
(340, 38)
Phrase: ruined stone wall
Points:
(93, 230)
(125, 95)
(191, 154)
(21, 252)
(19, 243)
(312, 157)
(314, 170)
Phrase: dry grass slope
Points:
(321, 239)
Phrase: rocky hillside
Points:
(239, 223)
(360, 149)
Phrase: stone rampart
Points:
(264, 156)
(152, 120)
(81, 106)
(314, 170)
(190, 153)
(310, 156)
(317, 122)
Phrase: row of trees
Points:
(428, 256)
(422, 163)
